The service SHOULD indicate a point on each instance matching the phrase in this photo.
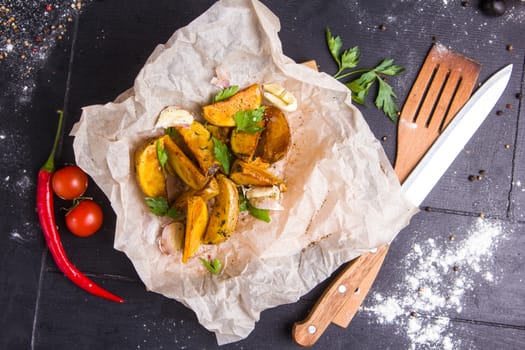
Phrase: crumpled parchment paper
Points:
(343, 197)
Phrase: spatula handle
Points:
(340, 301)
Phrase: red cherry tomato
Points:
(69, 182)
(85, 218)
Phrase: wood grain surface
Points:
(99, 56)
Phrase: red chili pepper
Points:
(46, 215)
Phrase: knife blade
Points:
(416, 187)
(454, 138)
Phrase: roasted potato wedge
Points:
(254, 174)
(208, 192)
(149, 172)
(220, 133)
(244, 144)
(225, 213)
(196, 222)
(198, 140)
(183, 166)
(276, 136)
(221, 113)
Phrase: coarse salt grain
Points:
(424, 293)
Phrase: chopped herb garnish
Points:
(162, 155)
(249, 120)
(226, 93)
(258, 213)
(214, 266)
(160, 207)
(222, 154)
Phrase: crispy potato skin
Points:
(149, 172)
(225, 213)
(254, 174)
(196, 223)
(221, 113)
(183, 166)
(198, 140)
(276, 136)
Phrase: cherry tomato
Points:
(85, 218)
(69, 182)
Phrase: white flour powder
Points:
(437, 276)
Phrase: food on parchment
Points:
(202, 175)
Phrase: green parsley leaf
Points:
(160, 207)
(384, 100)
(387, 67)
(249, 120)
(258, 213)
(157, 205)
(361, 86)
(214, 266)
(334, 45)
(350, 58)
(222, 154)
(162, 155)
(226, 93)
(261, 214)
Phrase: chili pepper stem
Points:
(49, 165)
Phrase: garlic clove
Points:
(280, 97)
(173, 116)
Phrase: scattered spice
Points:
(382, 27)
(479, 177)
(510, 47)
(384, 138)
(465, 3)
(499, 113)
(508, 106)
(482, 172)
(519, 95)
(413, 314)
(452, 237)
(455, 268)
(471, 178)
(507, 146)
(481, 215)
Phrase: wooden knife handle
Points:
(341, 299)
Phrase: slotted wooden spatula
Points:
(443, 85)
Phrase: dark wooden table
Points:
(451, 280)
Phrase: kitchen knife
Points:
(419, 183)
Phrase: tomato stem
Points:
(49, 165)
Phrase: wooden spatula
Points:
(443, 85)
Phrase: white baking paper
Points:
(343, 197)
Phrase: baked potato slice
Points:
(182, 165)
(220, 133)
(149, 171)
(254, 174)
(225, 213)
(221, 113)
(208, 192)
(276, 136)
(198, 140)
(244, 144)
(196, 222)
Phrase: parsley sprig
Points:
(160, 207)
(214, 266)
(249, 120)
(360, 87)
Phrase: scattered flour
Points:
(436, 280)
